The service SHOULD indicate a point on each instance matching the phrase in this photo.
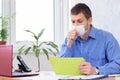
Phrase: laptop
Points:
(66, 66)
(6, 61)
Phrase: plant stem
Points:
(38, 64)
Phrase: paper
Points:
(86, 77)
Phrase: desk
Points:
(46, 75)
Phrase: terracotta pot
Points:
(2, 42)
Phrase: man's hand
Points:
(87, 68)
(72, 35)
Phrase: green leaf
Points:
(52, 51)
(20, 50)
(30, 32)
(42, 43)
(33, 34)
(54, 46)
(34, 48)
(37, 52)
(40, 34)
(27, 50)
(3, 34)
(4, 22)
(46, 53)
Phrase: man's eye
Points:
(79, 21)
(73, 21)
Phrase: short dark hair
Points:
(81, 8)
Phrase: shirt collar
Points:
(92, 32)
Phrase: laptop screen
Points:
(6, 60)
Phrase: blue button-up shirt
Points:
(101, 49)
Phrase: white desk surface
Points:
(50, 75)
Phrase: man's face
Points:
(80, 19)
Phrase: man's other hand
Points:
(87, 68)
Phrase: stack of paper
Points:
(86, 77)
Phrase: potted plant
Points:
(39, 47)
(3, 29)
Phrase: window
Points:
(34, 15)
(0, 11)
(0, 7)
(29, 15)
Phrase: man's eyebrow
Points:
(80, 19)
(76, 20)
(72, 20)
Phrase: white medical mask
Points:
(81, 30)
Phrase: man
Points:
(99, 48)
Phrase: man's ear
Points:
(90, 20)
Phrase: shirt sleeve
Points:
(113, 56)
(65, 52)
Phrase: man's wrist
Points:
(97, 70)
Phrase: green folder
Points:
(66, 66)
